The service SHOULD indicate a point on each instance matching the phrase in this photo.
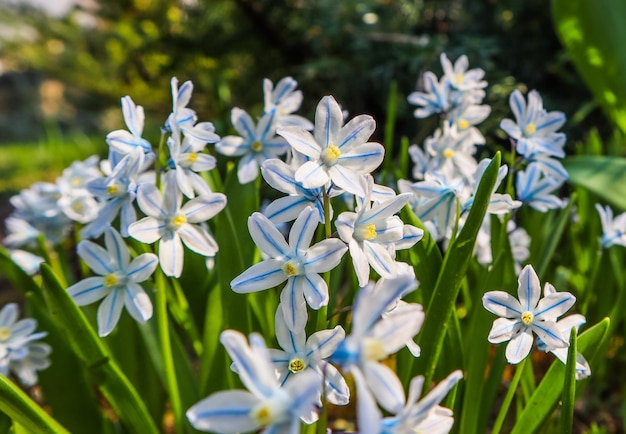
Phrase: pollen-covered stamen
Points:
(256, 146)
(113, 190)
(330, 155)
(76, 181)
(527, 317)
(530, 128)
(292, 267)
(192, 157)
(110, 280)
(269, 412)
(297, 365)
(5, 333)
(448, 153)
(462, 124)
(365, 232)
(178, 220)
(373, 349)
(458, 79)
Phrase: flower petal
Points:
(293, 304)
(88, 290)
(264, 275)
(529, 289)
(503, 330)
(348, 180)
(385, 385)
(312, 174)
(137, 302)
(171, 254)
(225, 412)
(324, 256)
(109, 312)
(502, 304)
(142, 267)
(554, 305)
(96, 257)
(291, 341)
(148, 230)
(116, 247)
(198, 240)
(267, 237)
(519, 346)
(315, 290)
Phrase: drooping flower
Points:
(118, 282)
(283, 100)
(172, 224)
(338, 153)
(266, 404)
(519, 319)
(536, 189)
(123, 141)
(294, 262)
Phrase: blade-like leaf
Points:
(602, 175)
(569, 386)
(592, 33)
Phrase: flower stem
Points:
(166, 352)
(506, 403)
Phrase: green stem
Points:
(51, 257)
(183, 316)
(166, 352)
(506, 403)
(157, 160)
(584, 306)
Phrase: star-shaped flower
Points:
(530, 314)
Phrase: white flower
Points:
(170, 223)
(337, 153)
(613, 229)
(284, 100)
(117, 283)
(373, 234)
(266, 404)
(530, 314)
(296, 263)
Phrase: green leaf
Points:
(593, 34)
(569, 386)
(453, 269)
(95, 357)
(602, 175)
(26, 412)
(549, 391)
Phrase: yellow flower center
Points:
(531, 128)
(373, 349)
(76, 182)
(296, 365)
(370, 232)
(5, 333)
(262, 415)
(110, 280)
(192, 157)
(448, 153)
(458, 79)
(112, 190)
(257, 146)
(78, 206)
(330, 155)
(178, 220)
(527, 317)
(462, 123)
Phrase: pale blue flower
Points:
(300, 354)
(536, 190)
(451, 152)
(499, 203)
(26, 261)
(266, 404)
(283, 100)
(534, 129)
(420, 161)
(338, 153)
(613, 229)
(172, 224)
(19, 353)
(294, 262)
(372, 233)
(372, 339)
(465, 117)
(256, 144)
(117, 194)
(118, 282)
(434, 99)
(458, 75)
(519, 319)
(425, 415)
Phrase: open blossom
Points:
(337, 153)
(296, 262)
(519, 319)
(123, 141)
(373, 234)
(283, 100)
(300, 354)
(19, 353)
(266, 404)
(613, 229)
(172, 224)
(117, 283)
(255, 144)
